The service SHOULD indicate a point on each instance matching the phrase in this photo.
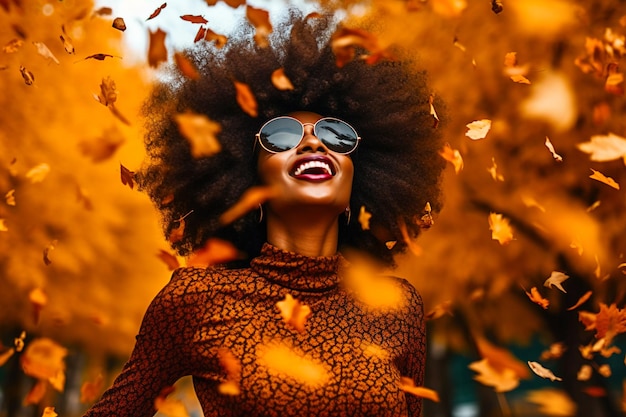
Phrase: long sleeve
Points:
(416, 354)
(153, 365)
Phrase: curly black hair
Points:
(397, 169)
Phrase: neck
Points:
(307, 235)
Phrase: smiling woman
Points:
(302, 327)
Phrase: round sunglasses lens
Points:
(281, 134)
(337, 135)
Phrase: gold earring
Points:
(348, 214)
(260, 213)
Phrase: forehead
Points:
(305, 116)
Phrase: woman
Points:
(285, 335)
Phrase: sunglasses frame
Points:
(258, 135)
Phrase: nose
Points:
(310, 142)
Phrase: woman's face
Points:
(309, 174)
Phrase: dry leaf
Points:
(608, 322)
(186, 67)
(407, 384)
(127, 176)
(169, 259)
(29, 77)
(614, 83)
(3, 225)
(605, 370)
(194, 19)
(364, 218)
(67, 42)
(501, 380)
(280, 80)
(10, 197)
(170, 407)
(18, 342)
(584, 373)
(200, 34)
(43, 50)
(246, 99)
(220, 40)
(598, 176)
(250, 200)
(536, 298)
(36, 393)
(90, 390)
(12, 46)
(552, 402)
(293, 312)
(215, 251)
(550, 147)
(410, 243)
(49, 412)
(500, 228)
(108, 92)
(345, 41)
(376, 292)
(38, 300)
(6, 355)
(119, 24)
(100, 57)
(44, 359)
(478, 129)
(581, 300)
(157, 52)
(440, 310)
(538, 369)
(102, 148)
(232, 366)
(38, 173)
(555, 279)
(453, 156)
(201, 133)
(157, 11)
(493, 171)
(605, 147)
(260, 19)
(433, 113)
(555, 351)
(284, 362)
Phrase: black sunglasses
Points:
(284, 133)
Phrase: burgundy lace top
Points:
(347, 361)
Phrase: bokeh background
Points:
(82, 255)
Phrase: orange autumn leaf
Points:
(285, 362)
(608, 322)
(478, 129)
(515, 72)
(12, 46)
(411, 244)
(493, 171)
(6, 355)
(581, 300)
(157, 51)
(364, 218)
(500, 228)
(605, 147)
(157, 11)
(201, 133)
(215, 251)
(250, 200)
(168, 259)
(232, 366)
(127, 176)
(36, 393)
(453, 156)
(500, 358)
(28, 76)
(220, 40)
(38, 173)
(170, 406)
(90, 390)
(200, 34)
(232, 3)
(119, 24)
(550, 147)
(101, 148)
(598, 176)
(49, 412)
(260, 19)
(440, 310)
(246, 99)
(3, 225)
(345, 41)
(280, 80)
(186, 67)
(293, 312)
(44, 359)
(536, 298)
(38, 300)
(10, 197)
(501, 380)
(407, 384)
(47, 250)
(194, 19)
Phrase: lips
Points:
(317, 168)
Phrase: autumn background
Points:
(524, 266)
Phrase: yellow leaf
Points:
(364, 218)
(44, 359)
(478, 129)
(538, 369)
(598, 176)
(550, 147)
(283, 361)
(280, 80)
(201, 133)
(453, 156)
(3, 225)
(552, 402)
(536, 298)
(43, 50)
(500, 228)
(260, 19)
(501, 380)
(581, 300)
(10, 197)
(293, 312)
(38, 173)
(604, 148)
(407, 384)
(555, 279)
(49, 412)
(246, 99)
(494, 171)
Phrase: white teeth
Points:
(313, 164)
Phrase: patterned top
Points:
(223, 327)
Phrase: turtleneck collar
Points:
(296, 271)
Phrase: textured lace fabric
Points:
(347, 362)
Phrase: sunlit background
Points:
(534, 188)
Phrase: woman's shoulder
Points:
(191, 280)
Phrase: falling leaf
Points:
(170, 406)
(6, 355)
(500, 228)
(503, 380)
(364, 218)
(13, 46)
(581, 301)
(605, 370)
(407, 384)
(232, 366)
(49, 412)
(169, 259)
(453, 156)
(555, 351)
(614, 83)
(478, 129)
(219, 40)
(67, 42)
(246, 99)
(536, 298)
(605, 147)
(157, 52)
(157, 11)
(36, 393)
(214, 252)
(200, 34)
(108, 92)
(410, 243)
(545, 373)
(201, 133)
(376, 292)
(345, 41)
(555, 279)
(232, 3)
(515, 72)
(552, 402)
(90, 390)
(260, 19)
(497, 6)
(100, 57)
(47, 250)
(3, 225)
(38, 299)
(598, 176)
(186, 67)
(584, 373)
(550, 147)
(607, 323)
(284, 362)
(250, 200)
(119, 24)
(493, 170)
(44, 359)
(10, 197)
(38, 173)
(280, 80)
(433, 113)
(102, 148)
(43, 50)
(440, 310)
(194, 19)
(127, 176)
(293, 312)
(103, 11)
(390, 244)
(29, 77)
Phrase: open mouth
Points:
(313, 169)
